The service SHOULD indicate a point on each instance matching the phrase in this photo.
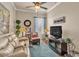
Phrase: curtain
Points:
(40, 24)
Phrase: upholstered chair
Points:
(35, 39)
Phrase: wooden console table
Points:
(60, 47)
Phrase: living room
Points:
(19, 20)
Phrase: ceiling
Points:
(23, 5)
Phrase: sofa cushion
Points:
(7, 50)
(13, 36)
(19, 52)
(10, 38)
(16, 41)
(3, 42)
(13, 43)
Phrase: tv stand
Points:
(58, 47)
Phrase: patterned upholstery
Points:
(3, 42)
(8, 50)
(8, 45)
(35, 38)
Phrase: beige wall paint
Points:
(25, 16)
(9, 6)
(71, 26)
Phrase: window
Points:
(36, 24)
(40, 24)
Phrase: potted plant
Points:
(17, 32)
(18, 27)
(46, 36)
(18, 21)
(69, 44)
(68, 40)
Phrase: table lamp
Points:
(23, 29)
(46, 30)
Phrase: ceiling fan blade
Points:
(43, 3)
(34, 3)
(29, 6)
(43, 7)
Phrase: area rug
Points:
(42, 50)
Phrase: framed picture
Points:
(59, 20)
(4, 20)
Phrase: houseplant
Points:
(68, 40)
(18, 27)
(71, 46)
(18, 21)
(45, 36)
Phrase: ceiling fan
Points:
(37, 5)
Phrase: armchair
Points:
(35, 39)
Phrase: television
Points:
(56, 31)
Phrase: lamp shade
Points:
(46, 30)
(23, 29)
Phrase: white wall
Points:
(24, 15)
(71, 26)
(9, 6)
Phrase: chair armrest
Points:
(23, 40)
(19, 52)
(19, 47)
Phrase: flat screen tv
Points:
(56, 31)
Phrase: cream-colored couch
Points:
(10, 46)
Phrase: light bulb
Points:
(36, 10)
(37, 7)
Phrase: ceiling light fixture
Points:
(37, 6)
